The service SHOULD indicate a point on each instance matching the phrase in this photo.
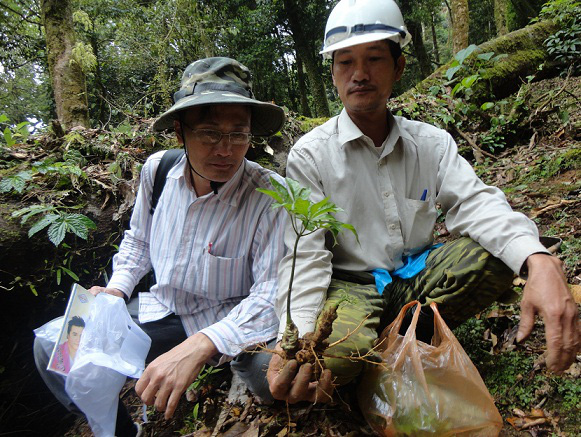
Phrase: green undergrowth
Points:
(550, 165)
(308, 124)
(513, 377)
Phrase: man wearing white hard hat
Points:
(388, 173)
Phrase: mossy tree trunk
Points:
(306, 51)
(460, 24)
(68, 80)
(525, 51)
(500, 10)
(435, 40)
(305, 109)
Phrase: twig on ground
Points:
(555, 206)
(474, 146)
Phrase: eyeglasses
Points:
(211, 137)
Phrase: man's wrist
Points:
(530, 261)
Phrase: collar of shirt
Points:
(348, 131)
(228, 193)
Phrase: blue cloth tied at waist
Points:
(412, 265)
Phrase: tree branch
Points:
(24, 17)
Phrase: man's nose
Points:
(361, 72)
(223, 147)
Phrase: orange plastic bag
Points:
(423, 390)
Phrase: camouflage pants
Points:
(461, 277)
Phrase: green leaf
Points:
(42, 223)
(79, 224)
(467, 82)
(456, 88)
(487, 105)
(274, 194)
(463, 54)
(296, 191)
(352, 229)
(485, 56)
(30, 211)
(281, 190)
(8, 137)
(15, 182)
(70, 273)
(450, 72)
(301, 207)
(57, 231)
(58, 276)
(33, 289)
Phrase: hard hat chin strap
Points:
(213, 184)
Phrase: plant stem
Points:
(290, 284)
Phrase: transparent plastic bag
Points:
(48, 334)
(112, 348)
(424, 390)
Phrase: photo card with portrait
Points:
(76, 314)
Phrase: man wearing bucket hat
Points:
(213, 241)
(388, 173)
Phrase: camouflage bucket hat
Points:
(214, 81)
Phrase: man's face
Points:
(364, 76)
(74, 336)
(217, 162)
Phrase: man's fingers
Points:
(562, 335)
(162, 396)
(324, 391)
(301, 389)
(527, 321)
(172, 403)
(142, 383)
(147, 392)
(281, 384)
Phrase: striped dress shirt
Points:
(215, 257)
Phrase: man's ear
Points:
(332, 75)
(399, 67)
(178, 130)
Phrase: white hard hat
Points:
(355, 22)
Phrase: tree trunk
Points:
(500, 8)
(435, 41)
(415, 28)
(305, 110)
(306, 51)
(460, 22)
(68, 80)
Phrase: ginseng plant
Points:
(306, 217)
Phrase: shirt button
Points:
(393, 227)
(386, 194)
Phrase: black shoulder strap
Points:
(168, 160)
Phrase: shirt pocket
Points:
(225, 278)
(417, 223)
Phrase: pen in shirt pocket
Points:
(209, 248)
(424, 195)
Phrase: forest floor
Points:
(540, 175)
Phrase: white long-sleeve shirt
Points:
(381, 191)
(215, 257)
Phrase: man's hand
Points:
(96, 290)
(170, 374)
(547, 294)
(293, 384)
